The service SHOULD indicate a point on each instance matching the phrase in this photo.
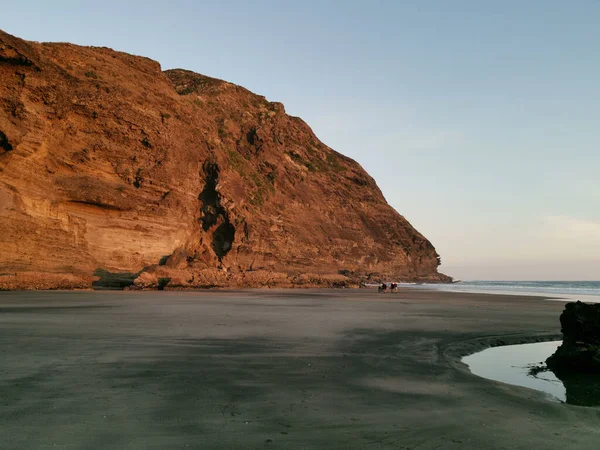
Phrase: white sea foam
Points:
(586, 291)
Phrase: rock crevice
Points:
(214, 214)
(4, 143)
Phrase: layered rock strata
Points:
(116, 173)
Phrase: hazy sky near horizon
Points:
(479, 120)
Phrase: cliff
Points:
(114, 172)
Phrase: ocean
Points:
(586, 291)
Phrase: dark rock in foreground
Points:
(580, 350)
(582, 389)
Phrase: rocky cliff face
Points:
(113, 171)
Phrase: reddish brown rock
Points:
(109, 165)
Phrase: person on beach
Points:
(393, 287)
(383, 287)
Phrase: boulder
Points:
(580, 350)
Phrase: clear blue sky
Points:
(480, 120)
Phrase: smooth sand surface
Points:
(293, 369)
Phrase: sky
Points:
(479, 120)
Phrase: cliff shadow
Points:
(113, 280)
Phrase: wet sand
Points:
(294, 369)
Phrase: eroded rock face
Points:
(110, 166)
(580, 350)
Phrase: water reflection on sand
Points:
(513, 364)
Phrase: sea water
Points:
(586, 291)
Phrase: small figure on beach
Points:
(382, 288)
(394, 287)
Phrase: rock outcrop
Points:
(580, 350)
(113, 172)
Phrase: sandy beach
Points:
(286, 369)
